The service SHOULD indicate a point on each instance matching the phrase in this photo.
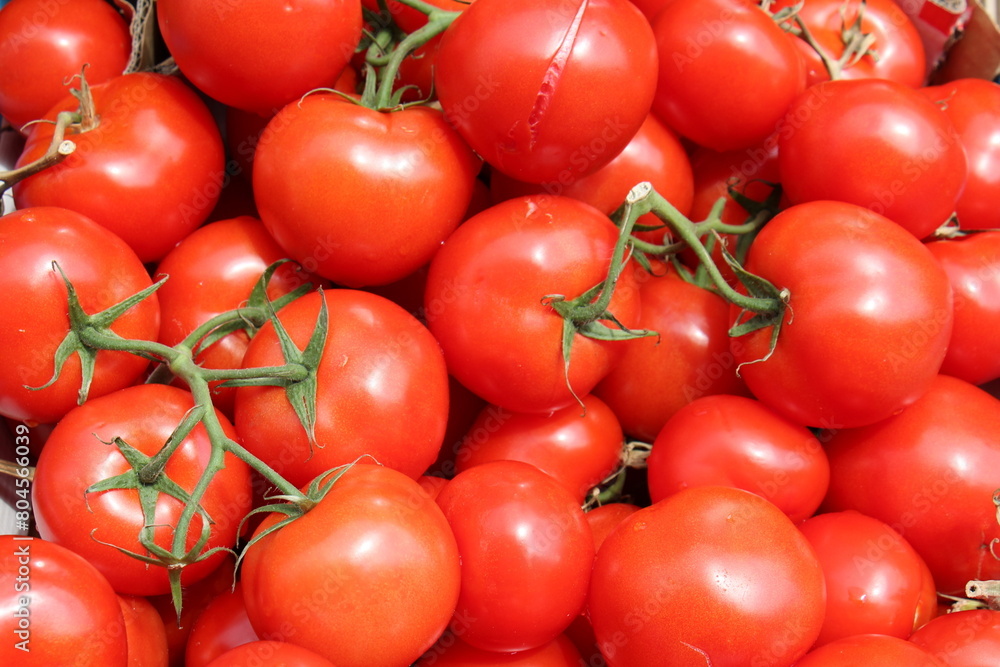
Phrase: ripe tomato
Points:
(76, 456)
(150, 169)
(544, 112)
(727, 72)
(145, 634)
(485, 300)
(381, 387)
(941, 452)
(57, 608)
(366, 578)
(603, 519)
(864, 650)
(374, 213)
(578, 450)
(711, 575)
(238, 53)
(223, 625)
(453, 652)
(875, 582)
(869, 317)
(962, 639)
(735, 441)
(102, 269)
(271, 653)
(895, 152)
(44, 42)
(526, 552)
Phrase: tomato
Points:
(603, 519)
(895, 152)
(222, 625)
(271, 653)
(897, 45)
(727, 72)
(875, 582)
(150, 169)
(563, 103)
(751, 171)
(239, 53)
(485, 301)
(453, 652)
(526, 553)
(736, 441)
(57, 609)
(213, 271)
(145, 634)
(868, 323)
(368, 577)
(577, 448)
(973, 267)
(102, 269)
(973, 106)
(44, 43)
(710, 575)
(962, 639)
(690, 358)
(928, 473)
(864, 650)
(76, 456)
(381, 387)
(369, 215)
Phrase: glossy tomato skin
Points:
(359, 196)
(736, 441)
(871, 649)
(76, 457)
(526, 552)
(272, 653)
(711, 575)
(544, 111)
(973, 105)
(151, 170)
(941, 451)
(875, 582)
(103, 270)
(42, 44)
(727, 72)
(57, 608)
(382, 390)
(453, 652)
(579, 448)
(485, 293)
(973, 267)
(895, 152)
(368, 577)
(222, 626)
(145, 634)
(962, 639)
(239, 53)
(868, 323)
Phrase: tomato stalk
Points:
(59, 149)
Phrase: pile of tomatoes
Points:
(379, 333)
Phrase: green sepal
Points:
(758, 287)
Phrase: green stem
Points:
(59, 149)
(286, 372)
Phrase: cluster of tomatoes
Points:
(379, 333)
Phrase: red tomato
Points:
(238, 53)
(711, 575)
(382, 390)
(578, 448)
(76, 456)
(973, 105)
(150, 169)
(44, 42)
(102, 269)
(368, 577)
(145, 634)
(941, 452)
(735, 441)
(973, 267)
(272, 654)
(605, 518)
(963, 638)
(727, 72)
(403, 186)
(223, 625)
(875, 582)
(751, 171)
(895, 152)
(453, 652)
(485, 300)
(526, 554)
(869, 317)
(658, 375)
(561, 105)
(57, 608)
(865, 650)
(213, 271)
